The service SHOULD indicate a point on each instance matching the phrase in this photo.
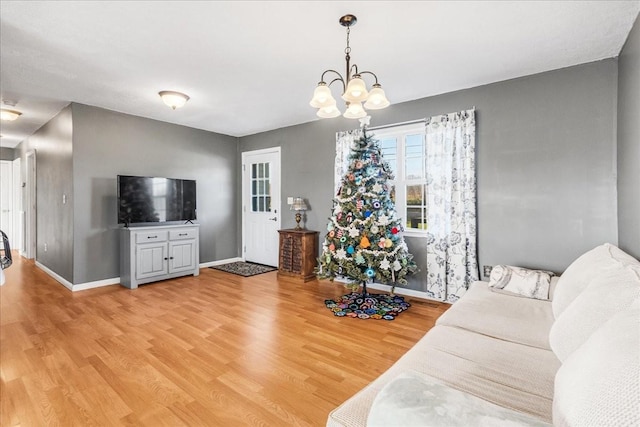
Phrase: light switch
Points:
(289, 200)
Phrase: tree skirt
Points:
(373, 306)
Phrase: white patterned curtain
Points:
(451, 205)
(343, 147)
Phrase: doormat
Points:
(373, 306)
(245, 269)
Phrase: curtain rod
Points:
(410, 122)
(391, 125)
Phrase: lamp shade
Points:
(355, 111)
(322, 96)
(377, 99)
(356, 90)
(173, 99)
(329, 111)
(298, 204)
(9, 115)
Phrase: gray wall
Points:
(629, 144)
(546, 163)
(106, 143)
(54, 178)
(7, 153)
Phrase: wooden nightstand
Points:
(298, 252)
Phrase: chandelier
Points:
(354, 89)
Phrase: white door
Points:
(6, 198)
(261, 205)
(18, 213)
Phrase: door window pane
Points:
(260, 188)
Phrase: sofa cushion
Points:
(599, 384)
(519, 320)
(579, 274)
(415, 399)
(511, 375)
(521, 281)
(607, 294)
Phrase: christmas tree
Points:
(364, 240)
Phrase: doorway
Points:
(260, 205)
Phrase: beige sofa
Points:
(500, 359)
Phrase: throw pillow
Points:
(521, 281)
(599, 384)
(607, 294)
(415, 399)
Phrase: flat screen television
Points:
(143, 199)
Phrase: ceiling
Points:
(252, 66)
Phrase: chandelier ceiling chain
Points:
(354, 88)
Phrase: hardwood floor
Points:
(217, 349)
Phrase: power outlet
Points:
(289, 200)
(487, 270)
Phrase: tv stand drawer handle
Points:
(183, 234)
(152, 237)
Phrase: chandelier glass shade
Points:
(354, 88)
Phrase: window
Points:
(403, 148)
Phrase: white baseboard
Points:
(96, 284)
(220, 262)
(80, 286)
(64, 282)
(113, 281)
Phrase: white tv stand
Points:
(149, 254)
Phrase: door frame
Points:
(278, 203)
(18, 209)
(30, 208)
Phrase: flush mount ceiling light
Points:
(354, 89)
(173, 99)
(9, 115)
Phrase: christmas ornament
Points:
(359, 204)
(353, 233)
(382, 242)
(332, 233)
(388, 243)
(376, 204)
(350, 250)
(367, 214)
(394, 230)
(396, 265)
(343, 239)
(377, 188)
(370, 272)
(332, 247)
(364, 242)
(359, 259)
(384, 264)
(374, 229)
